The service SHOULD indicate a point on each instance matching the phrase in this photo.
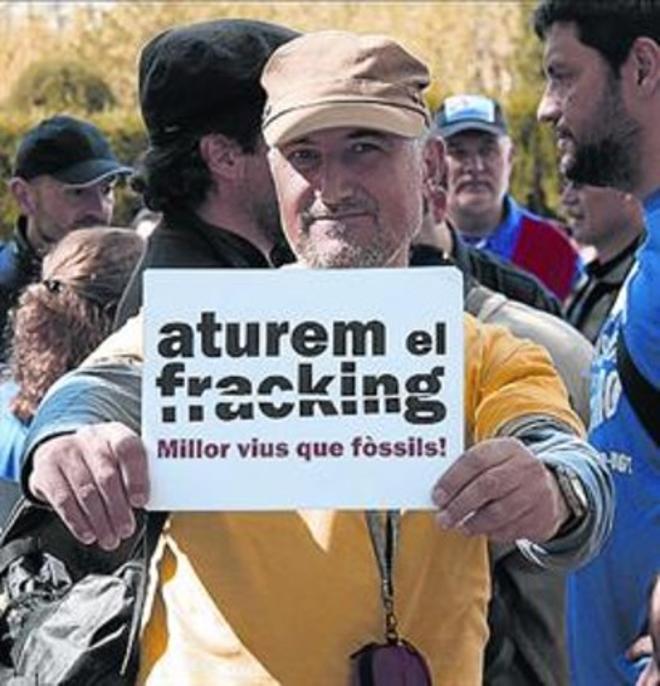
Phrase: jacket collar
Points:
(222, 240)
(27, 256)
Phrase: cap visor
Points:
(90, 171)
(298, 122)
(470, 125)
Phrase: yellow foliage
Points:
(470, 46)
(467, 45)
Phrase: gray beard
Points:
(347, 257)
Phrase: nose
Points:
(548, 109)
(99, 205)
(474, 162)
(334, 182)
(479, 162)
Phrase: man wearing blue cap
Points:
(480, 157)
(63, 179)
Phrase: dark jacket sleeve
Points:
(103, 392)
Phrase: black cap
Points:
(193, 77)
(470, 113)
(70, 150)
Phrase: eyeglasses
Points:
(395, 662)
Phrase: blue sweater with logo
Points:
(607, 599)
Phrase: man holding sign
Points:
(291, 597)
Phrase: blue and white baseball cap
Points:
(469, 113)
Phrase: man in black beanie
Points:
(206, 168)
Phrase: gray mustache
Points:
(338, 213)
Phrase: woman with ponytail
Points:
(59, 320)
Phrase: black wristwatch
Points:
(572, 488)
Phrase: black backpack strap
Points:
(147, 534)
(148, 539)
(644, 398)
(155, 523)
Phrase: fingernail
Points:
(444, 519)
(109, 543)
(87, 537)
(439, 496)
(126, 530)
(138, 499)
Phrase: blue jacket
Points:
(12, 435)
(19, 266)
(525, 239)
(608, 598)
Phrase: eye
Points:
(302, 157)
(456, 153)
(557, 74)
(488, 151)
(363, 147)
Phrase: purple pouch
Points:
(389, 664)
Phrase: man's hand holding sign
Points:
(499, 489)
(93, 479)
(489, 491)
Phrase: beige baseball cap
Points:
(334, 78)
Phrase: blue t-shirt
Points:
(607, 599)
(12, 435)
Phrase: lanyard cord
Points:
(384, 539)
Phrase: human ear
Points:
(222, 156)
(23, 194)
(645, 56)
(511, 152)
(434, 167)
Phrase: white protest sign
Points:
(301, 388)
